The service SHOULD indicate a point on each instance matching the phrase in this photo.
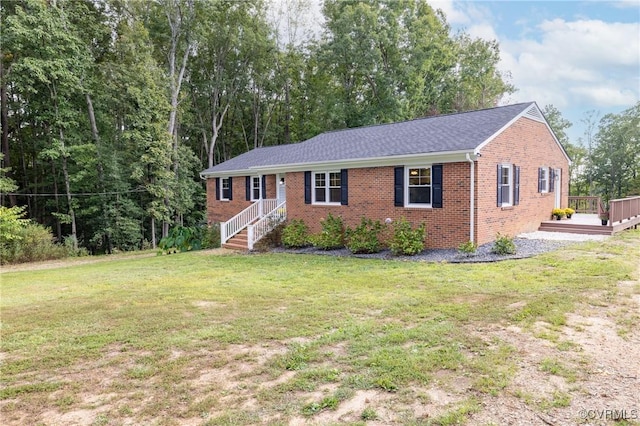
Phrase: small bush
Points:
(30, 243)
(503, 245)
(468, 249)
(211, 236)
(332, 235)
(405, 239)
(271, 240)
(181, 238)
(364, 237)
(295, 234)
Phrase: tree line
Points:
(111, 108)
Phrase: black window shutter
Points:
(552, 179)
(539, 179)
(217, 188)
(499, 188)
(398, 186)
(436, 186)
(247, 185)
(230, 190)
(516, 185)
(307, 187)
(344, 187)
(264, 187)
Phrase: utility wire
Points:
(77, 194)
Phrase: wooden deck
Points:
(590, 224)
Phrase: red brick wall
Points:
(220, 211)
(528, 144)
(371, 195)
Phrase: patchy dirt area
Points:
(583, 372)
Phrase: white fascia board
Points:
(525, 114)
(396, 160)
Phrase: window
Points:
(419, 186)
(225, 188)
(326, 187)
(505, 182)
(255, 188)
(543, 179)
(508, 185)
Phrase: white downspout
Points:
(472, 200)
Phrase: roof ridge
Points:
(423, 118)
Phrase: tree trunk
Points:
(101, 180)
(153, 232)
(57, 199)
(4, 123)
(67, 186)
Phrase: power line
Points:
(77, 194)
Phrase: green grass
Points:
(143, 331)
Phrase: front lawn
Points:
(200, 338)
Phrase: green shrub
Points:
(405, 239)
(332, 234)
(30, 243)
(211, 236)
(295, 234)
(181, 238)
(271, 240)
(503, 245)
(364, 237)
(468, 249)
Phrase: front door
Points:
(282, 187)
(557, 187)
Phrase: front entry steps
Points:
(238, 242)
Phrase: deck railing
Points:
(269, 221)
(586, 204)
(237, 223)
(624, 209)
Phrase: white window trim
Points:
(327, 188)
(406, 187)
(547, 175)
(222, 179)
(510, 168)
(253, 188)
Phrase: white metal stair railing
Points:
(266, 224)
(240, 221)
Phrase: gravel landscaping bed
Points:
(524, 248)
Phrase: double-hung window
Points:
(505, 185)
(255, 188)
(543, 179)
(326, 187)
(508, 185)
(418, 186)
(225, 188)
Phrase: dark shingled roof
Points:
(463, 131)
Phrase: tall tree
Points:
(615, 161)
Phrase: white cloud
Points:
(585, 62)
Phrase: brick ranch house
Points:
(467, 176)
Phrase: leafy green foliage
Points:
(29, 243)
(180, 239)
(332, 234)
(406, 240)
(468, 249)
(295, 234)
(503, 245)
(211, 236)
(364, 238)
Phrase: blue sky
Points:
(579, 56)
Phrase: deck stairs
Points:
(575, 228)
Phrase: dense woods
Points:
(111, 108)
